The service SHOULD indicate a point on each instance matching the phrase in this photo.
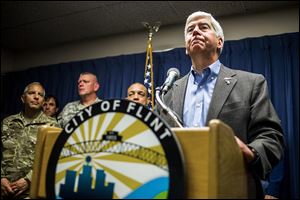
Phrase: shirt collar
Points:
(21, 114)
(96, 101)
(211, 70)
(214, 68)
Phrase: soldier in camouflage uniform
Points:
(51, 106)
(19, 134)
(87, 89)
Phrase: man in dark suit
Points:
(240, 99)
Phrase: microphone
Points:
(172, 76)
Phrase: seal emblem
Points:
(116, 149)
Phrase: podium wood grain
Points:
(45, 141)
(214, 164)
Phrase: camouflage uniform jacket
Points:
(70, 110)
(18, 144)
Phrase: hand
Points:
(247, 153)
(6, 190)
(19, 186)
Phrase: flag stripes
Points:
(148, 76)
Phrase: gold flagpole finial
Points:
(152, 28)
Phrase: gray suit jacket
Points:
(240, 99)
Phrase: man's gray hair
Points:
(216, 26)
(34, 83)
(89, 73)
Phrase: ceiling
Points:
(36, 24)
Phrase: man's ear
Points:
(96, 86)
(220, 43)
(23, 98)
(148, 100)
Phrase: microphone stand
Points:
(166, 109)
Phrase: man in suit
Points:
(240, 99)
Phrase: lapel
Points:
(179, 95)
(223, 87)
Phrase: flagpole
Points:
(152, 29)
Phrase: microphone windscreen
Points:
(173, 70)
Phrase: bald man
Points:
(87, 86)
(137, 92)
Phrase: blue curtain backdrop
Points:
(276, 57)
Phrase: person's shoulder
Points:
(11, 122)
(43, 116)
(71, 104)
(242, 73)
(11, 118)
(69, 108)
(49, 120)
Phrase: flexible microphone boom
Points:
(172, 75)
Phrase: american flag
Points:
(148, 76)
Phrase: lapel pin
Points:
(227, 80)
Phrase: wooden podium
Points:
(45, 141)
(214, 164)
